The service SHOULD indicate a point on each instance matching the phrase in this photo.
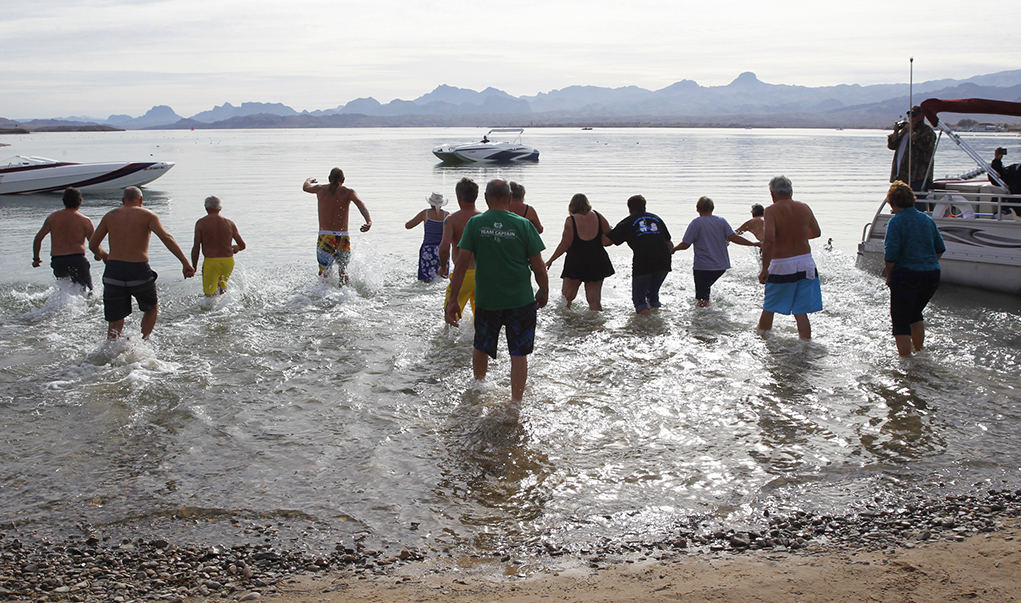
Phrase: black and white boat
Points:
(980, 222)
(488, 150)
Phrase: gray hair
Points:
(781, 186)
(213, 202)
(132, 193)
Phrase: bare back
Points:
(69, 232)
(334, 207)
(789, 225)
(129, 228)
(216, 235)
(589, 225)
(457, 221)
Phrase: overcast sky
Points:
(102, 57)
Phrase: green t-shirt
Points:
(502, 243)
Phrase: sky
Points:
(101, 57)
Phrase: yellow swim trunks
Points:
(465, 295)
(215, 272)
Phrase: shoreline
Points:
(936, 537)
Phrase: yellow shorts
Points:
(215, 272)
(465, 295)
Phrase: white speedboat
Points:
(28, 174)
(980, 222)
(487, 150)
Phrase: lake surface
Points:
(352, 411)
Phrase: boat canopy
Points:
(934, 106)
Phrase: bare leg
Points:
(149, 321)
(594, 295)
(570, 290)
(804, 327)
(903, 344)
(519, 374)
(645, 312)
(918, 334)
(766, 321)
(480, 364)
(114, 330)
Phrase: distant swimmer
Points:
(127, 272)
(507, 252)
(788, 270)
(69, 232)
(517, 205)
(429, 253)
(334, 243)
(756, 225)
(219, 240)
(467, 192)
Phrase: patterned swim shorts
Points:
(333, 247)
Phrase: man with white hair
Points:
(788, 270)
(218, 239)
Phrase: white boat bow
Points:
(30, 174)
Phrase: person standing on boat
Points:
(429, 253)
(127, 271)
(788, 270)
(913, 249)
(1011, 174)
(507, 252)
(912, 141)
(709, 235)
(218, 240)
(649, 239)
(334, 244)
(467, 192)
(517, 205)
(69, 232)
(587, 261)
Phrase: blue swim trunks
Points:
(802, 296)
(520, 327)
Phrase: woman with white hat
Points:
(429, 253)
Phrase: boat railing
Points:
(944, 203)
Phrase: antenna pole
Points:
(911, 118)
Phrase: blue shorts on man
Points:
(793, 286)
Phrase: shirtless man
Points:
(518, 206)
(467, 192)
(69, 231)
(334, 244)
(788, 271)
(218, 239)
(127, 272)
(756, 225)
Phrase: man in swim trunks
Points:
(218, 239)
(507, 251)
(334, 244)
(467, 192)
(788, 271)
(69, 231)
(127, 272)
(518, 206)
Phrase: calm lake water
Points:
(339, 412)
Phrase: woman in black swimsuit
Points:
(587, 261)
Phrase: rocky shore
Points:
(139, 569)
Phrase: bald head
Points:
(132, 195)
(498, 194)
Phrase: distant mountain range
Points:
(746, 101)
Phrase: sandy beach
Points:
(983, 568)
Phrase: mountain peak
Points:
(746, 80)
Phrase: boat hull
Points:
(485, 153)
(84, 176)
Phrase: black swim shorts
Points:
(124, 280)
(520, 323)
(910, 291)
(74, 267)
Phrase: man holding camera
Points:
(1011, 175)
(914, 142)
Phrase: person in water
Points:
(69, 232)
(429, 253)
(649, 239)
(709, 235)
(587, 261)
(913, 247)
(334, 243)
(127, 271)
(219, 240)
(467, 192)
(507, 251)
(788, 270)
(756, 225)
(517, 205)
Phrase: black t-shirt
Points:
(648, 238)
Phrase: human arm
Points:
(445, 244)
(736, 238)
(96, 240)
(680, 246)
(197, 246)
(814, 232)
(239, 243)
(37, 243)
(768, 241)
(565, 242)
(171, 244)
(418, 219)
(310, 186)
(363, 210)
(534, 219)
(453, 310)
(541, 279)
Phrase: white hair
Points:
(213, 202)
(781, 186)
